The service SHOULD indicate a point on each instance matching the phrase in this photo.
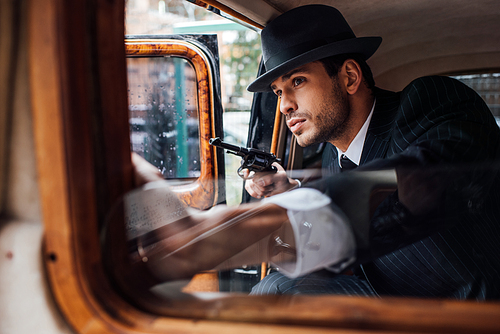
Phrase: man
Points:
(437, 234)
(327, 94)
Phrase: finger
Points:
(245, 173)
(252, 189)
(278, 166)
(249, 184)
(263, 191)
(257, 192)
(268, 181)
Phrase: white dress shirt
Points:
(356, 147)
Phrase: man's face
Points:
(315, 105)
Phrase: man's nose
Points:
(287, 105)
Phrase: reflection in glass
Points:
(487, 85)
(164, 114)
(449, 210)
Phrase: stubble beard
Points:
(332, 120)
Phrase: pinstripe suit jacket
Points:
(455, 250)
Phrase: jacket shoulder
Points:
(441, 86)
(439, 96)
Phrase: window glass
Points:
(488, 86)
(163, 114)
(239, 51)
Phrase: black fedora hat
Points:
(305, 34)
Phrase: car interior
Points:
(85, 83)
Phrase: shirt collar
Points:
(356, 147)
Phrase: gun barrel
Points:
(241, 151)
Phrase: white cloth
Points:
(355, 148)
(323, 237)
(152, 206)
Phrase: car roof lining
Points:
(420, 37)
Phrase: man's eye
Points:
(278, 92)
(297, 81)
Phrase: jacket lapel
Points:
(379, 131)
(330, 160)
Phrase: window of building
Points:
(487, 85)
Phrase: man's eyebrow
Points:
(287, 76)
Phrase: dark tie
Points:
(346, 164)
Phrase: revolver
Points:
(252, 159)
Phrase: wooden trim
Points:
(9, 53)
(282, 138)
(274, 149)
(276, 128)
(295, 156)
(279, 138)
(65, 160)
(202, 193)
(76, 50)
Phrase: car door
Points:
(174, 108)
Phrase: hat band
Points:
(299, 49)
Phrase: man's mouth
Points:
(295, 124)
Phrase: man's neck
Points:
(360, 109)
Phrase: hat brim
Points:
(361, 45)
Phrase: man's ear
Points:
(353, 76)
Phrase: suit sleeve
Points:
(445, 142)
(442, 120)
(442, 142)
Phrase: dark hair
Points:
(333, 64)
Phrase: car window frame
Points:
(203, 192)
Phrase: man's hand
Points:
(268, 184)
